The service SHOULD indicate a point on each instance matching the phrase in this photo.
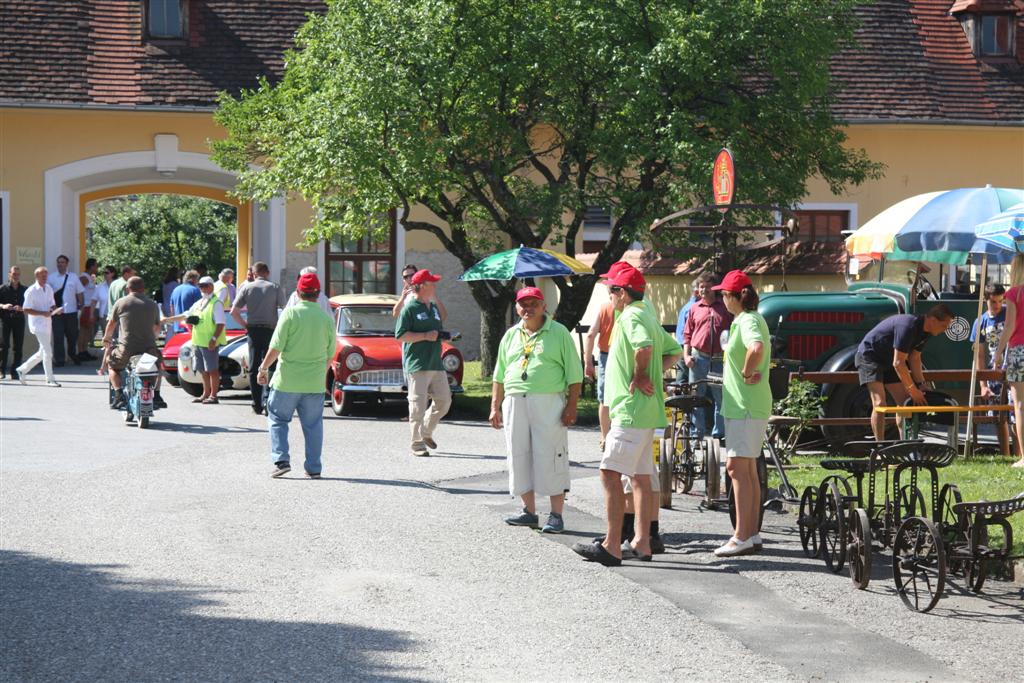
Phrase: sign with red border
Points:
(723, 178)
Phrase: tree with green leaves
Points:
(157, 232)
(496, 123)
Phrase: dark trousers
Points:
(259, 344)
(65, 328)
(11, 328)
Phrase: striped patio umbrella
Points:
(524, 262)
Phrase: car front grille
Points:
(378, 377)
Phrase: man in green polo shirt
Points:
(419, 329)
(640, 352)
(302, 345)
(537, 364)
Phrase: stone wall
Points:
(463, 313)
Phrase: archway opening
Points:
(161, 234)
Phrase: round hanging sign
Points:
(723, 178)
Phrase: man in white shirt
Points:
(322, 300)
(68, 294)
(38, 307)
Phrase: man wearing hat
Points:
(639, 354)
(537, 364)
(419, 329)
(302, 346)
(207, 319)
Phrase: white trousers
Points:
(432, 385)
(537, 444)
(44, 354)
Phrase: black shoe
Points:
(258, 410)
(14, 374)
(280, 469)
(657, 545)
(159, 402)
(595, 552)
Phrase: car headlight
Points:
(451, 362)
(354, 361)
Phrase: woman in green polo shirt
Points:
(746, 407)
(537, 381)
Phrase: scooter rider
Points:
(138, 318)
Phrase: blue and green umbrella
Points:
(525, 262)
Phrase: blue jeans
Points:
(281, 405)
(701, 367)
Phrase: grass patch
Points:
(979, 478)
(475, 402)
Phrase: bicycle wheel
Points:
(808, 521)
(919, 564)
(686, 465)
(858, 548)
(833, 527)
(666, 468)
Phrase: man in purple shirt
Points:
(702, 349)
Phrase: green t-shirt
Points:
(741, 400)
(637, 328)
(420, 356)
(117, 290)
(553, 363)
(305, 337)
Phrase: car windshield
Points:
(894, 272)
(366, 320)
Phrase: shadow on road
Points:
(63, 620)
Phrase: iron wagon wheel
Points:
(808, 520)
(919, 564)
(841, 482)
(949, 523)
(712, 488)
(666, 468)
(858, 549)
(686, 467)
(912, 502)
(833, 528)
(975, 569)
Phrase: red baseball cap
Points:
(308, 283)
(421, 276)
(614, 269)
(628, 277)
(734, 281)
(529, 292)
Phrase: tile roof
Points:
(93, 53)
(914, 64)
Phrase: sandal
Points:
(198, 400)
(210, 401)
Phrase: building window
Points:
(996, 39)
(597, 228)
(165, 19)
(362, 266)
(822, 226)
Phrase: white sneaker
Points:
(734, 547)
(51, 383)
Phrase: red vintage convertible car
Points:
(367, 364)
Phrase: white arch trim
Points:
(63, 185)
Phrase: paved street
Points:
(170, 553)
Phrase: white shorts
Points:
(537, 444)
(744, 438)
(629, 451)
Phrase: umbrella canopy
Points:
(935, 226)
(524, 262)
(1005, 230)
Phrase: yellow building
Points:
(115, 97)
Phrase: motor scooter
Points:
(139, 381)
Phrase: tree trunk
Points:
(574, 300)
(494, 308)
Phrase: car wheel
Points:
(341, 403)
(191, 388)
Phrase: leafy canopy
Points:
(157, 232)
(504, 119)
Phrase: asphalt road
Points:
(170, 554)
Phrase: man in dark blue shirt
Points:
(889, 359)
